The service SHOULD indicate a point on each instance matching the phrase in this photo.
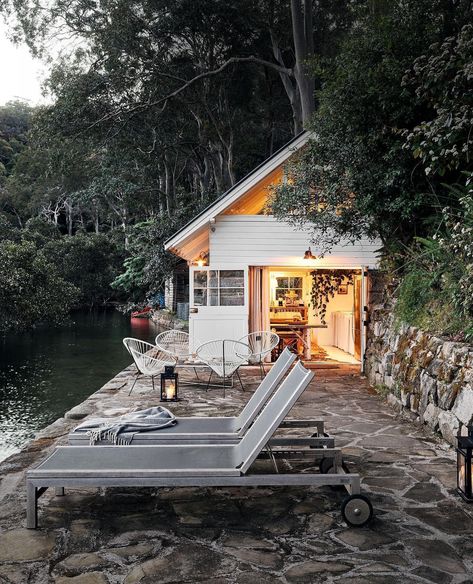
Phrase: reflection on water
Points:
(46, 372)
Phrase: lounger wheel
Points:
(326, 467)
(357, 510)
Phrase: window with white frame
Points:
(289, 286)
(219, 288)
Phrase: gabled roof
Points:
(197, 228)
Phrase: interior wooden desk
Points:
(302, 331)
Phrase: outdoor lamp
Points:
(308, 255)
(464, 465)
(169, 384)
(202, 259)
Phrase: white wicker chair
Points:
(224, 357)
(149, 359)
(261, 343)
(175, 342)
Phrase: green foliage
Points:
(148, 265)
(7, 230)
(31, 289)
(436, 291)
(357, 177)
(45, 263)
(325, 284)
(15, 119)
(442, 82)
(89, 262)
(39, 231)
(114, 155)
(425, 301)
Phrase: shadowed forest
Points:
(156, 108)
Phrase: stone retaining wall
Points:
(428, 376)
(168, 320)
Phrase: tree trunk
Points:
(217, 166)
(68, 207)
(229, 162)
(290, 87)
(302, 31)
(125, 226)
(162, 191)
(169, 187)
(18, 218)
(56, 213)
(206, 176)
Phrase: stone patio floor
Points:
(422, 531)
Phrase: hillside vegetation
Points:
(158, 107)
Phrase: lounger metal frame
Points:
(178, 435)
(215, 429)
(196, 465)
(150, 439)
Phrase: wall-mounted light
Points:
(202, 259)
(308, 255)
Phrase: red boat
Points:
(143, 313)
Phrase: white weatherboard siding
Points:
(261, 240)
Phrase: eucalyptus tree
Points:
(15, 120)
(163, 48)
(162, 105)
(358, 175)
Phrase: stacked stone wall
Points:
(430, 377)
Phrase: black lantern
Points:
(169, 384)
(464, 465)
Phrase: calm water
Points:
(46, 372)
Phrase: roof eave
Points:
(229, 197)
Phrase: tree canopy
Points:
(378, 115)
(158, 107)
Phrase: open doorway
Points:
(287, 305)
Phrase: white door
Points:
(364, 314)
(218, 304)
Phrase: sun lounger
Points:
(227, 430)
(196, 465)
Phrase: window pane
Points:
(232, 279)
(200, 279)
(298, 292)
(200, 296)
(296, 283)
(291, 293)
(213, 297)
(232, 297)
(213, 279)
(280, 292)
(282, 282)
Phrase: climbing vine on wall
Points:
(324, 285)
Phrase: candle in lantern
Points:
(169, 384)
(171, 390)
(461, 477)
(465, 466)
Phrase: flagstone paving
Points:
(422, 532)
